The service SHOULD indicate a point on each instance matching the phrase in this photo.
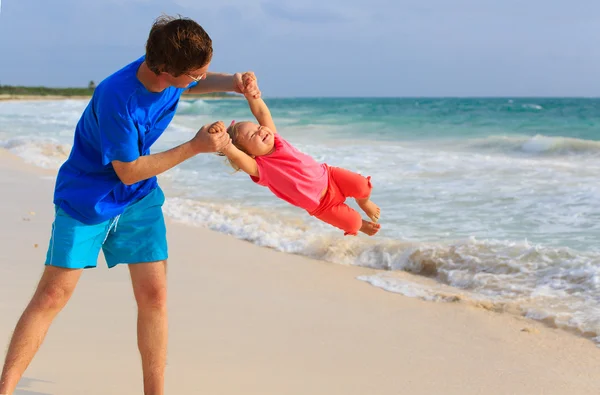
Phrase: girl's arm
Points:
(242, 160)
(261, 113)
(257, 105)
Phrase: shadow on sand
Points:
(26, 383)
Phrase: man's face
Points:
(185, 79)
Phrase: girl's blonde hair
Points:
(232, 131)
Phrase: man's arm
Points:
(148, 166)
(217, 82)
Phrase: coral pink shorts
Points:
(333, 209)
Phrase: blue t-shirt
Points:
(121, 122)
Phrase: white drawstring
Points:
(113, 223)
(116, 221)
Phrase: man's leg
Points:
(141, 236)
(149, 282)
(53, 292)
(72, 247)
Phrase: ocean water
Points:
(494, 202)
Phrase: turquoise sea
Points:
(494, 201)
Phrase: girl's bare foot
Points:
(369, 228)
(370, 208)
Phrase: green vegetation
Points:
(44, 91)
(69, 92)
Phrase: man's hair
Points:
(177, 45)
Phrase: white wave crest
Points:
(558, 284)
(47, 153)
(536, 145)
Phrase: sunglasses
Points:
(196, 79)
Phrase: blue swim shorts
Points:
(138, 235)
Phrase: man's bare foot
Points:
(369, 228)
(371, 209)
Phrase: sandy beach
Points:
(250, 320)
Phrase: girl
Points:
(295, 177)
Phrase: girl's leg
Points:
(358, 187)
(347, 219)
(371, 209)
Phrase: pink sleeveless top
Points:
(292, 175)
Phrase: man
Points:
(107, 197)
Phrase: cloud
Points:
(301, 14)
(250, 9)
(334, 47)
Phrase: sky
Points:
(298, 48)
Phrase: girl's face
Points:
(256, 140)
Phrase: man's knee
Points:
(150, 284)
(51, 296)
(152, 296)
